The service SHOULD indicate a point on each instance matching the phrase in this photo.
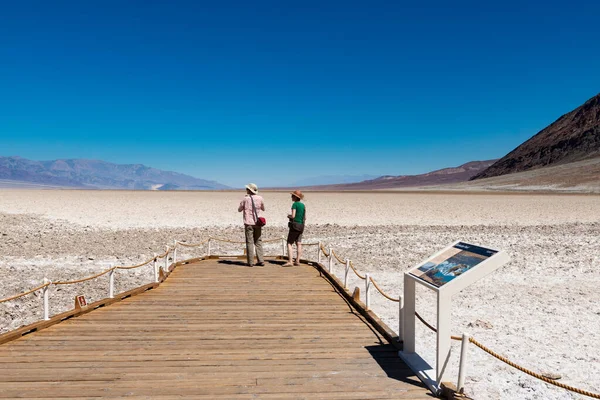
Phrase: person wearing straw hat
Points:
(251, 206)
(297, 218)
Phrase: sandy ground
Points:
(542, 309)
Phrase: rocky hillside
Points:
(443, 176)
(573, 137)
(95, 174)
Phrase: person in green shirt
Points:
(297, 218)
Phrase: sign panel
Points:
(451, 263)
(446, 272)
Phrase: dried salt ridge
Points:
(541, 310)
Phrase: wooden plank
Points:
(214, 330)
(38, 326)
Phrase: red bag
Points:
(260, 221)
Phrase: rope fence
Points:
(89, 278)
(338, 258)
(382, 292)
(363, 277)
(226, 241)
(193, 244)
(163, 255)
(534, 374)
(331, 255)
(25, 293)
(138, 265)
(515, 365)
(323, 249)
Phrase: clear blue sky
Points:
(273, 92)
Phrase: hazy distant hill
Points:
(443, 176)
(80, 173)
(332, 180)
(573, 137)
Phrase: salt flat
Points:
(541, 310)
(139, 209)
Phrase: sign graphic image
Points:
(452, 263)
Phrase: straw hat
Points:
(252, 187)
(298, 194)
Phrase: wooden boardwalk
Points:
(214, 329)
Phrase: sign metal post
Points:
(447, 273)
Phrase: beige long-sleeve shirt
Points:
(246, 207)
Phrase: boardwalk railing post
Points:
(111, 283)
(167, 261)
(209, 247)
(463, 363)
(346, 274)
(400, 318)
(319, 253)
(367, 291)
(283, 247)
(175, 252)
(155, 267)
(330, 259)
(46, 295)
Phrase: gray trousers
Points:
(253, 240)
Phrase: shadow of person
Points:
(240, 263)
(234, 263)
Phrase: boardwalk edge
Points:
(76, 312)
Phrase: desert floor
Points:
(542, 310)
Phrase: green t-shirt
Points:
(300, 210)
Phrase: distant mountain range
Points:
(573, 137)
(332, 180)
(95, 174)
(461, 173)
(564, 156)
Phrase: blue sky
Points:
(273, 92)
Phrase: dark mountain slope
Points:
(573, 137)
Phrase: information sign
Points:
(451, 263)
(447, 273)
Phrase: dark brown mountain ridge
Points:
(443, 176)
(573, 137)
